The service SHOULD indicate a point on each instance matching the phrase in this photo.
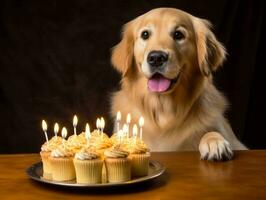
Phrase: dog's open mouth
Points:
(159, 83)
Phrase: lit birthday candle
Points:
(75, 123)
(135, 133)
(120, 135)
(87, 133)
(64, 135)
(56, 129)
(125, 130)
(44, 128)
(141, 123)
(118, 119)
(128, 122)
(102, 126)
(98, 125)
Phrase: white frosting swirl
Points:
(137, 147)
(54, 142)
(116, 152)
(62, 151)
(100, 143)
(48, 147)
(75, 142)
(86, 155)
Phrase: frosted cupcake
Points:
(81, 137)
(45, 153)
(61, 160)
(114, 139)
(76, 142)
(96, 134)
(139, 156)
(101, 144)
(88, 165)
(117, 164)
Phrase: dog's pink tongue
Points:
(158, 83)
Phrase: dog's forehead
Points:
(165, 17)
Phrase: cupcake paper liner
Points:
(47, 171)
(62, 169)
(104, 173)
(88, 171)
(118, 169)
(139, 164)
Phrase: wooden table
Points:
(186, 177)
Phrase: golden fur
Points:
(190, 115)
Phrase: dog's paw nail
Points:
(227, 154)
(213, 147)
(204, 157)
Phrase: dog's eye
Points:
(178, 35)
(145, 35)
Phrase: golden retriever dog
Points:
(167, 58)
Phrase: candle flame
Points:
(87, 131)
(44, 125)
(135, 130)
(102, 123)
(75, 120)
(141, 121)
(64, 132)
(128, 118)
(98, 123)
(118, 116)
(56, 128)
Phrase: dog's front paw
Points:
(214, 147)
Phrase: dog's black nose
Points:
(157, 58)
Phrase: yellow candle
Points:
(120, 135)
(64, 135)
(56, 129)
(87, 133)
(128, 118)
(135, 132)
(128, 122)
(75, 123)
(141, 123)
(102, 126)
(98, 125)
(44, 128)
(125, 130)
(118, 119)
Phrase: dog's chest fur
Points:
(163, 130)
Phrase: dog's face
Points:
(163, 46)
(166, 45)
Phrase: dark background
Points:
(55, 62)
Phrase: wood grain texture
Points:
(186, 177)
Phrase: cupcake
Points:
(45, 154)
(96, 134)
(88, 165)
(115, 139)
(117, 164)
(56, 140)
(139, 156)
(101, 144)
(61, 160)
(81, 137)
(76, 142)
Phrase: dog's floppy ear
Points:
(122, 53)
(211, 53)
